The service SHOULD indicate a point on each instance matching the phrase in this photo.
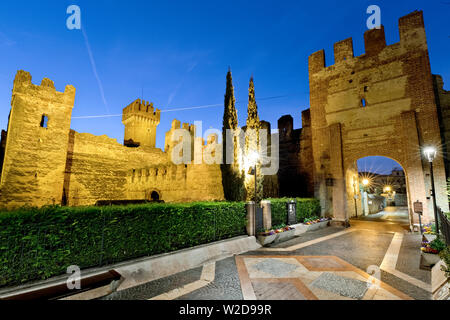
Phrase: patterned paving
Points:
(346, 287)
(309, 277)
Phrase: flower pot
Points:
(299, 228)
(284, 236)
(430, 259)
(265, 240)
(318, 225)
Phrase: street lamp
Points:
(253, 158)
(430, 153)
(355, 196)
(365, 182)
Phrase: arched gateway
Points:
(378, 104)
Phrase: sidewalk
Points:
(331, 263)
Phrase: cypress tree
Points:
(252, 109)
(252, 143)
(232, 178)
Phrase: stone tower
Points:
(140, 120)
(36, 143)
(380, 103)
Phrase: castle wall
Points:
(98, 165)
(296, 166)
(380, 103)
(443, 106)
(102, 169)
(45, 162)
(35, 152)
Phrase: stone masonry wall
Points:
(35, 154)
(102, 169)
(378, 104)
(45, 162)
(443, 105)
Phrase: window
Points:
(44, 121)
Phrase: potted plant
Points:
(429, 228)
(315, 222)
(284, 233)
(266, 237)
(276, 234)
(430, 251)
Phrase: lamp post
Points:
(430, 153)
(365, 183)
(254, 157)
(355, 197)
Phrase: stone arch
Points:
(353, 205)
(153, 194)
(400, 117)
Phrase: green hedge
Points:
(40, 243)
(306, 208)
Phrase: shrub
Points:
(437, 244)
(445, 256)
(40, 243)
(305, 208)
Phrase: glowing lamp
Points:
(430, 153)
(253, 157)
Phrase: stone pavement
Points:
(369, 260)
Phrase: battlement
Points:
(157, 173)
(176, 124)
(23, 85)
(141, 110)
(412, 35)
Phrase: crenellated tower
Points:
(36, 143)
(140, 119)
(380, 103)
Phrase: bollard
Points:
(250, 207)
(291, 213)
(267, 214)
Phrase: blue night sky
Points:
(178, 52)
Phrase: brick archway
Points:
(352, 180)
(397, 119)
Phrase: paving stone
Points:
(360, 248)
(226, 284)
(409, 258)
(275, 267)
(156, 287)
(308, 236)
(276, 291)
(405, 287)
(343, 286)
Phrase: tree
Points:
(232, 175)
(252, 145)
